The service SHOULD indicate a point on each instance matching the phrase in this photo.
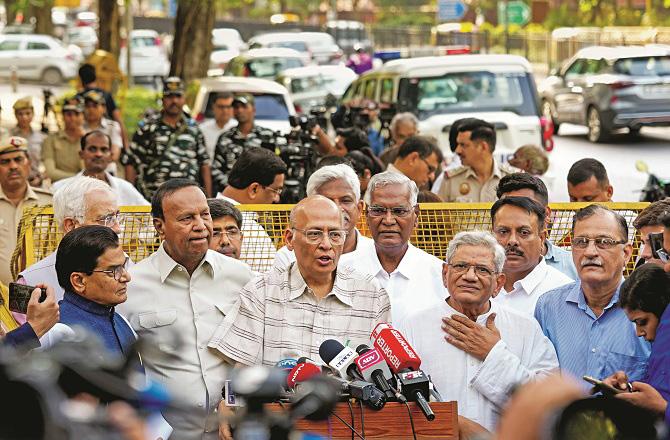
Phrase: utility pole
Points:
(506, 15)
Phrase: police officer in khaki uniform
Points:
(60, 151)
(15, 195)
(24, 114)
(477, 179)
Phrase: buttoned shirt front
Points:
(590, 345)
(127, 194)
(210, 129)
(279, 317)
(481, 388)
(415, 283)
(10, 216)
(525, 292)
(561, 259)
(285, 256)
(179, 313)
(60, 155)
(462, 185)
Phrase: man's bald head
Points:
(311, 206)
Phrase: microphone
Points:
(404, 362)
(364, 391)
(301, 373)
(373, 368)
(339, 358)
(287, 364)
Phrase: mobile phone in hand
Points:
(601, 386)
(19, 297)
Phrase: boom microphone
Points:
(373, 368)
(339, 358)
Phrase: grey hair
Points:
(69, 200)
(478, 238)
(405, 117)
(391, 178)
(334, 172)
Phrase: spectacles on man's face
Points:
(396, 211)
(480, 271)
(315, 236)
(232, 233)
(277, 191)
(431, 168)
(109, 220)
(603, 243)
(115, 271)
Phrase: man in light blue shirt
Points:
(590, 332)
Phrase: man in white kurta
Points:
(477, 351)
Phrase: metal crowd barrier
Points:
(438, 223)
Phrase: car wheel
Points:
(548, 114)
(598, 130)
(52, 76)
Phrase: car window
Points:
(576, 68)
(36, 45)
(593, 66)
(138, 42)
(9, 45)
(268, 106)
(643, 66)
(271, 66)
(465, 92)
(370, 88)
(307, 84)
(386, 94)
(300, 46)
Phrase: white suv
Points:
(37, 57)
(439, 90)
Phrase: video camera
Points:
(48, 97)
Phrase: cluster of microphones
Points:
(386, 372)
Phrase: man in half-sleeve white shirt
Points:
(518, 225)
(475, 350)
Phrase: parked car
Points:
(607, 88)
(227, 43)
(319, 47)
(264, 63)
(272, 101)
(311, 86)
(148, 56)
(83, 37)
(439, 90)
(37, 57)
(349, 33)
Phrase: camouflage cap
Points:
(23, 104)
(173, 86)
(13, 144)
(74, 103)
(94, 96)
(244, 98)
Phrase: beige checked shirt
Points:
(279, 317)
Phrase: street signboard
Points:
(450, 10)
(518, 12)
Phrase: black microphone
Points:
(364, 391)
(415, 385)
(341, 359)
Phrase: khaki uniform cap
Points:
(23, 104)
(13, 144)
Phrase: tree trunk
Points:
(192, 39)
(41, 10)
(109, 25)
(10, 8)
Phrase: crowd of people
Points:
(505, 308)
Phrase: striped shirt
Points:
(587, 345)
(279, 317)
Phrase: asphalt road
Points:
(618, 155)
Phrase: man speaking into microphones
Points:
(288, 312)
(475, 351)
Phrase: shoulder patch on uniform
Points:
(455, 171)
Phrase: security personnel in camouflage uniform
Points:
(167, 145)
(230, 144)
(477, 179)
(15, 195)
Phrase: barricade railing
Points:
(438, 223)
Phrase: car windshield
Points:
(465, 92)
(307, 84)
(138, 42)
(271, 67)
(268, 107)
(643, 66)
(300, 46)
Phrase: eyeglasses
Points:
(396, 211)
(315, 236)
(109, 219)
(116, 272)
(431, 169)
(230, 233)
(480, 271)
(603, 243)
(277, 191)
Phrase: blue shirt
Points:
(658, 369)
(587, 345)
(560, 259)
(103, 321)
(23, 337)
(376, 141)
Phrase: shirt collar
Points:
(30, 194)
(297, 286)
(166, 265)
(550, 250)
(87, 305)
(409, 266)
(576, 295)
(227, 199)
(533, 279)
(497, 172)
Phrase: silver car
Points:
(37, 57)
(607, 88)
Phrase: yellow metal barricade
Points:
(438, 223)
